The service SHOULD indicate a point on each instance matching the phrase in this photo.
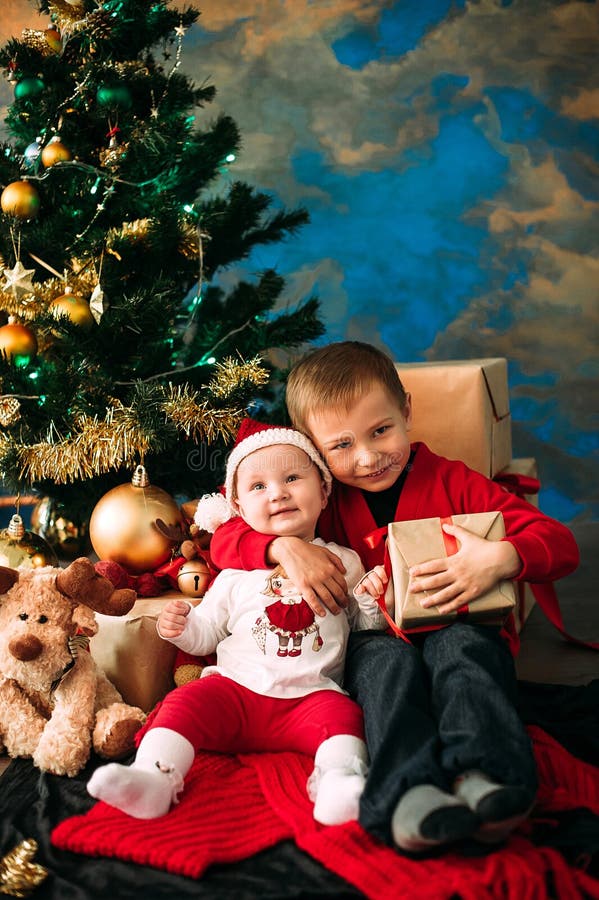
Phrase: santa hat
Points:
(214, 509)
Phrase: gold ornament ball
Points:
(122, 527)
(20, 199)
(53, 39)
(73, 306)
(68, 537)
(193, 578)
(55, 151)
(18, 343)
(19, 547)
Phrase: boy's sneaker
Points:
(427, 817)
(499, 807)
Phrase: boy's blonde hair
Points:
(336, 376)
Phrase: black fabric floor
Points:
(31, 805)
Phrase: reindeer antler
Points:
(80, 582)
(175, 533)
(8, 577)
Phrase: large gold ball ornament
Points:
(54, 152)
(19, 547)
(122, 526)
(18, 343)
(20, 199)
(193, 578)
(73, 306)
(68, 536)
(53, 39)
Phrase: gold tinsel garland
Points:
(194, 417)
(230, 374)
(37, 41)
(81, 276)
(97, 446)
(81, 282)
(138, 230)
(66, 12)
(19, 875)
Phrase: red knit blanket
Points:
(233, 807)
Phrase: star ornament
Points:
(180, 31)
(18, 280)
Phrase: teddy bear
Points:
(56, 705)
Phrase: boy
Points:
(449, 755)
(276, 683)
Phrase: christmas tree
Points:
(119, 211)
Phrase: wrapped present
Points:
(461, 410)
(413, 542)
(521, 477)
(133, 655)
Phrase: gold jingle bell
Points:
(121, 527)
(193, 578)
(19, 547)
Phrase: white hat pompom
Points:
(212, 510)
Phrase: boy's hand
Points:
(452, 581)
(373, 583)
(171, 621)
(316, 572)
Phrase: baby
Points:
(277, 680)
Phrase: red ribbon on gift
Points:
(518, 484)
(451, 547)
(544, 594)
(372, 540)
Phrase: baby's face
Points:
(280, 491)
(367, 446)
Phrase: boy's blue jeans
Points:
(434, 709)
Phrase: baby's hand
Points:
(171, 621)
(373, 583)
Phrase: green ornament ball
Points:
(28, 88)
(116, 95)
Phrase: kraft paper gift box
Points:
(133, 655)
(460, 409)
(409, 543)
(525, 599)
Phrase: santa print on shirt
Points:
(289, 617)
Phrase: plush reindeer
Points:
(55, 703)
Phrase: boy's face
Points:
(280, 491)
(368, 446)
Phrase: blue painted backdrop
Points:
(448, 155)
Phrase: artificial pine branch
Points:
(141, 216)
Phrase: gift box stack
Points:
(461, 410)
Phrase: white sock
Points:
(148, 788)
(338, 779)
